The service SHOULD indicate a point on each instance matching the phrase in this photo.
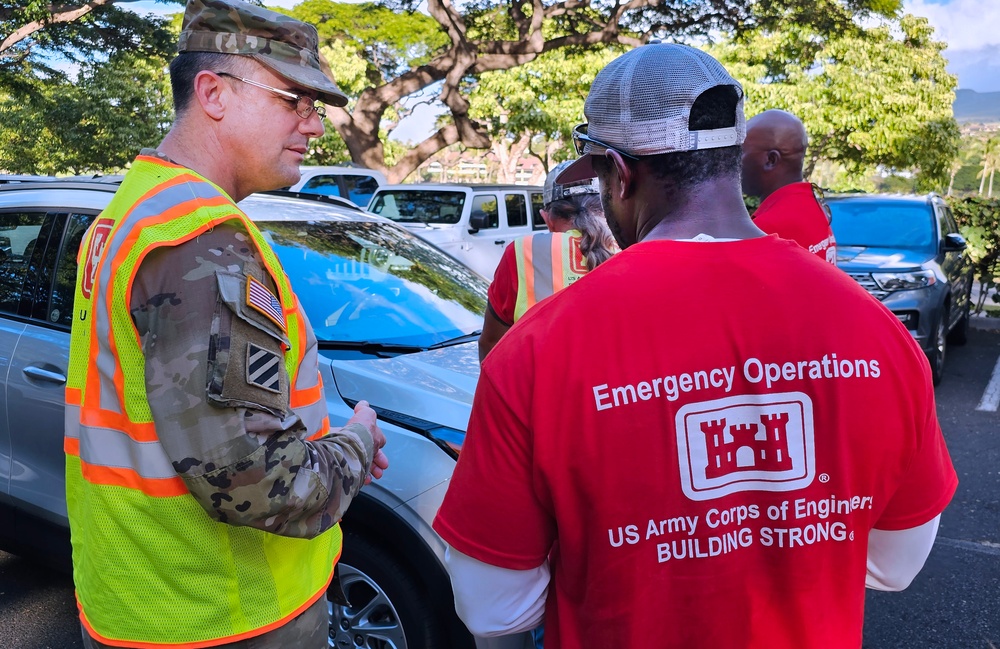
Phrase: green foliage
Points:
(330, 149)
(541, 99)
(387, 56)
(870, 97)
(965, 179)
(448, 59)
(103, 32)
(97, 124)
(979, 220)
(82, 96)
(385, 42)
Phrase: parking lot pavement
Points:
(953, 602)
(984, 323)
(37, 606)
(990, 401)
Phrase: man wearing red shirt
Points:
(773, 155)
(732, 473)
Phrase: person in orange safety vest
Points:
(204, 481)
(534, 267)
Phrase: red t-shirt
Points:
(503, 290)
(703, 467)
(793, 212)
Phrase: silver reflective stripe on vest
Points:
(113, 448)
(72, 419)
(313, 414)
(541, 262)
(106, 361)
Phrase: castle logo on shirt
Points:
(759, 442)
(577, 263)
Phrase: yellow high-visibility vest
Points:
(546, 262)
(152, 569)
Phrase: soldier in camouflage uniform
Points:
(245, 85)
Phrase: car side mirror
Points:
(954, 242)
(477, 222)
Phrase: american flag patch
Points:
(262, 300)
(263, 368)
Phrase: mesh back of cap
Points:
(642, 100)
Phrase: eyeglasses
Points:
(584, 144)
(304, 106)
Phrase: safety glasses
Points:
(302, 105)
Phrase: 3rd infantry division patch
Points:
(263, 368)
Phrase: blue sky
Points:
(971, 28)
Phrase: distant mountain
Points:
(972, 106)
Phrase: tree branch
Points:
(57, 14)
(445, 137)
(451, 20)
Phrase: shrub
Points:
(979, 220)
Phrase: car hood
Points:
(851, 258)
(435, 385)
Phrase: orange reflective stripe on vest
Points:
(547, 262)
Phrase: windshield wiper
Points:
(368, 347)
(392, 349)
(458, 340)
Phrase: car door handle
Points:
(500, 242)
(44, 375)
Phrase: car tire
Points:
(389, 609)
(938, 351)
(959, 335)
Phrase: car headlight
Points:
(904, 281)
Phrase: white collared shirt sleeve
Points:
(895, 557)
(494, 601)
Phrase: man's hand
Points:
(364, 415)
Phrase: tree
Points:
(407, 56)
(979, 220)
(96, 124)
(443, 55)
(874, 97)
(531, 108)
(36, 32)
(990, 161)
(82, 86)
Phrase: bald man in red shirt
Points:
(773, 156)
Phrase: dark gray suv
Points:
(907, 252)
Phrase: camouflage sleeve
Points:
(224, 422)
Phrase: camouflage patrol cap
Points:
(286, 46)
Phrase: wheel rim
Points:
(940, 343)
(370, 621)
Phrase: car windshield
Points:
(883, 224)
(375, 283)
(419, 206)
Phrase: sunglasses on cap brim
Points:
(586, 145)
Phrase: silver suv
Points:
(397, 322)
